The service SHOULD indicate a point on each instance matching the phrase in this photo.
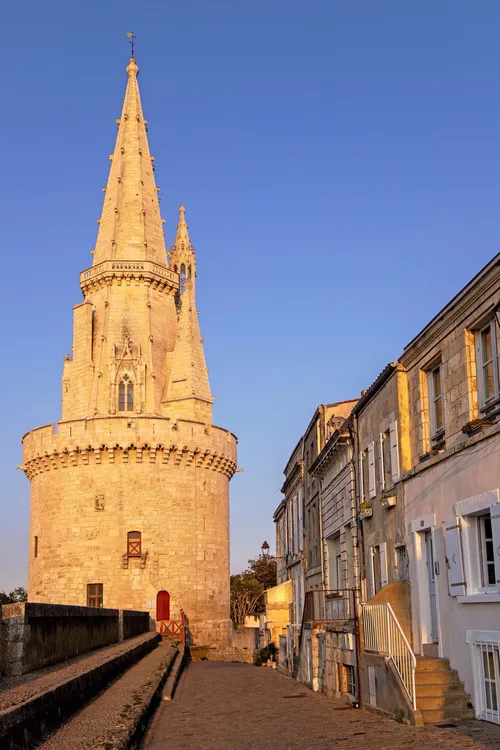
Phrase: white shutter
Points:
(384, 579)
(495, 528)
(381, 461)
(394, 451)
(370, 588)
(454, 558)
(361, 488)
(372, 486)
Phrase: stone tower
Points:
(130, 491)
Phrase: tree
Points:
(246, 597)
(247, 588)
(263, 568)
(19, 595)
(16, 595)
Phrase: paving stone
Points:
(241, 707)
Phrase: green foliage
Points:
(16, 595)
(247, 588)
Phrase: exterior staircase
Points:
(440, 696)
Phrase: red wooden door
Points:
(163, 605)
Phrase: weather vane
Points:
(132, 38)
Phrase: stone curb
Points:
(173, 678)
(23, 725)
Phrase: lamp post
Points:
(265, 549)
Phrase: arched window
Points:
(134, 544)
(126, 394)
(182, 279)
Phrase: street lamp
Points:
(265, 549)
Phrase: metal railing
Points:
(383, 635)
(325, 605)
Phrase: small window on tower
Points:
(182, 279)
(126, 394)
(134, 544)
(35, 551)
(94, 594)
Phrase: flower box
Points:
(365, 513)
(475, 425)
(388, 502)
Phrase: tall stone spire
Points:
(130, 226)
(188, 391)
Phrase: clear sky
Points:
(339, 164)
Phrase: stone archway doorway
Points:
(162, 606)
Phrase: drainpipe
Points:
(353, 433)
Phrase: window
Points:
(487, 365)
(486, 550)
(401, 563)
(377, 576)
(182, 279)
(35, 547)
(94, 595)
(134, 544)
(313, 536)
(385, 462)
(350, 679)
(126, 394)
(435, 388)
(364, 471)
(334, 563)
(471, 540)
(485, 651)
(377, 573)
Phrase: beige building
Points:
(129, 491)
(452, 492)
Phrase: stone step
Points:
(443, 714)
(436, 689)
(426, 663)
(432, 702)
(427, 677)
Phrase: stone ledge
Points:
(22, 726)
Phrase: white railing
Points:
(383, 635)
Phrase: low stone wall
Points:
(134, 622)
(37, 635)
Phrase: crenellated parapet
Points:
(118, 440)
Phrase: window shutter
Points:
(495, 527)
(361, 488)
(381, 461)
(454, 559)
(370, 588)
(384, 579)
(372, 486)
(479, 362)
(394, 451)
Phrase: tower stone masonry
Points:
(130, 490)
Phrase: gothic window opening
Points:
(182, 279)
(134, 544)
(126, 394)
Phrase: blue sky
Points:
(339, 165)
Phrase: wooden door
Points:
(162, 606)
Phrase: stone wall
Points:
(103, 479)
(36, 635)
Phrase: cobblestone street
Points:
(241, 707)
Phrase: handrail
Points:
(383, 634)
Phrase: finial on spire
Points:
(132, 38)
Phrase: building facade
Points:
(402, 502)
(130, 490)
(451, 494)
